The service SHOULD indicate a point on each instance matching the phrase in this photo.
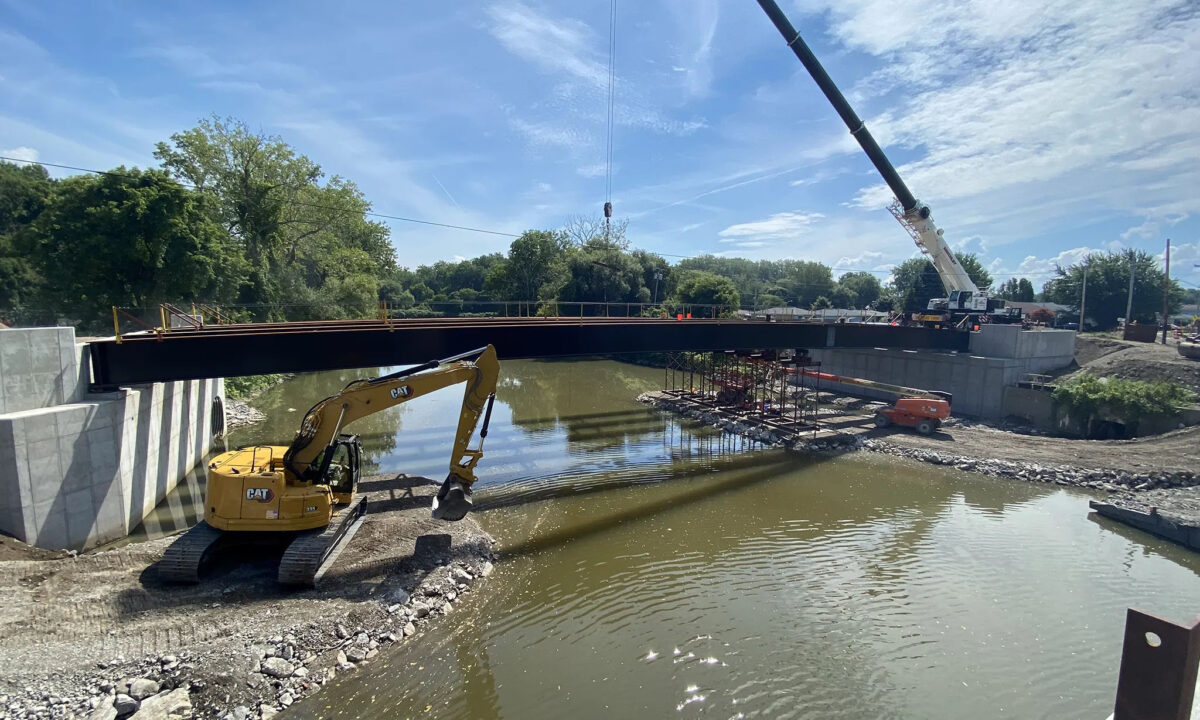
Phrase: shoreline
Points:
(236, 645)
(900, 442)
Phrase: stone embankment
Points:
(847, 439)
(267, 674)
(1097, 478)
(239, 414)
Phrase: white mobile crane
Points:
(966, 302)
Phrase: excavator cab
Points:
(345, 468)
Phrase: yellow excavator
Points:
(306, 493)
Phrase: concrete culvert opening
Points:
(1108, 430)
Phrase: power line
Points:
(301, 203)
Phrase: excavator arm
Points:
(308, 457)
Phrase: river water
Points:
(653, 568)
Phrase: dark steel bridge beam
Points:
(186, 355)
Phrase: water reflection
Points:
(557, 427)
(681, 571)
(858, 587)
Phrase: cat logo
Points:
(262, 495)
(401, 392)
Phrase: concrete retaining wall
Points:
(1041, 350)
(1037, 408)
(1033, 406)
(80, 469)
(977, 381)
(40, 367)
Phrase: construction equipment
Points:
(923, 410)
(305, 494)
(966, 304)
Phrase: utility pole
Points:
(1083, 300)
(1129, 302)
(657, 276)
(1166, 291)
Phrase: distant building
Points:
(1027, 308)
(826, 315)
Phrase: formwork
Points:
(757, 388)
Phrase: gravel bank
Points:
(1167, 461)
(239, 414)
(98, 636)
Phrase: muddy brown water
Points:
(653, 568)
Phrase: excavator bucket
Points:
(453, 501)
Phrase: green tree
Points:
(24, 193)
(841, 297)
(704, 288)
(537, 265)
(601, 271)
(862, 288)
(1017, 290)
(886, 302)
(916, 281)
(821, 303)
(271, 200)
(1108, 287)
(767, 300)
(130, 238)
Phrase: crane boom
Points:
(910, 212)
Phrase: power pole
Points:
(1166, 291)
(1083, 300)
(1129, 302)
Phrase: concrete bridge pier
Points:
(80, 469)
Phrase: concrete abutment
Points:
(1000, 356)
(80, 469)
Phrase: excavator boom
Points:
(322, 423)
(308, 490)
(309, 456)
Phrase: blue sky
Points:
(1036, 129)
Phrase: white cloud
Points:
(1153, 227)
(1028, 94)
(546, 133)
(1185, 262)
(785, 225)
(973, 244)
(1042, 269)
(573, 56)
(554, 45)
(21, 153)
(594, 170)
(698, 20)
(861, 261)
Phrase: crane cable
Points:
(612, 81)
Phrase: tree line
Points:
(241, 220)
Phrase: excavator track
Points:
(311, 553)
(182, 561)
